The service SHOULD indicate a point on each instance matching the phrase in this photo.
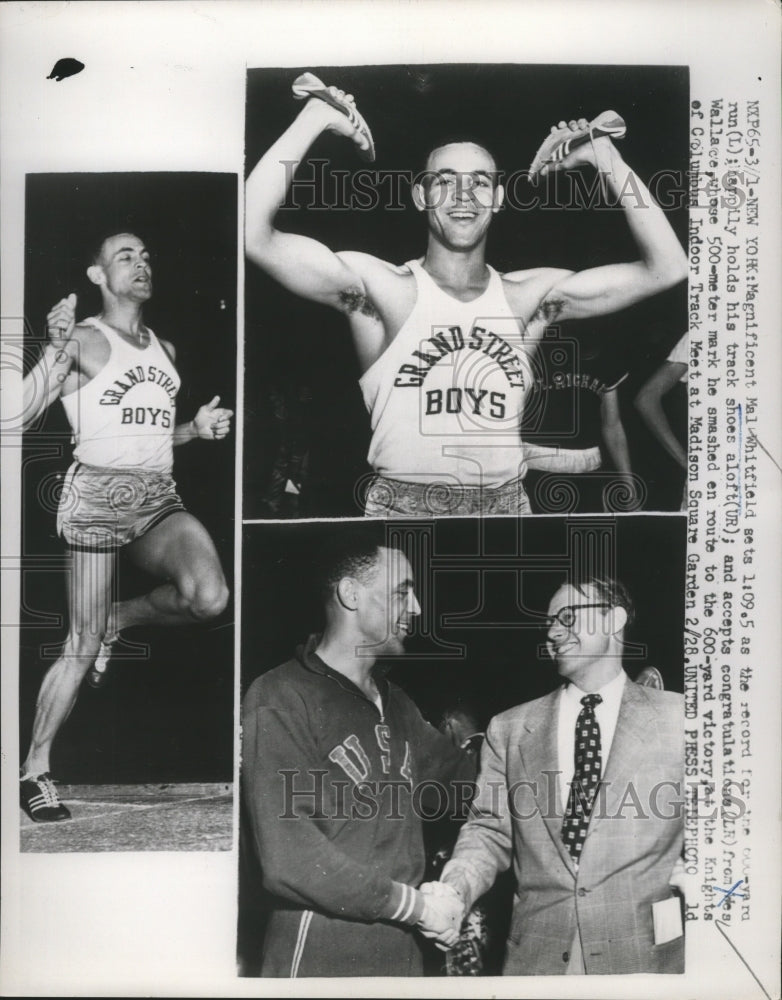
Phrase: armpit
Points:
(549, 309)
(353, 300)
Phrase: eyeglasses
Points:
(567, 616)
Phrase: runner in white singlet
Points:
(124, 416)
(118, 385)
(453, 380)
(428, 462)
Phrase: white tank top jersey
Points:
(447, 395)
(124, 417)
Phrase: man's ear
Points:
(419, 197)
(347, 593)
(96, 275)
(499, 198)
(617, 620)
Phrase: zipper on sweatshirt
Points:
(354, 690)
(344, 682)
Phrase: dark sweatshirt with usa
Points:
(336, 790)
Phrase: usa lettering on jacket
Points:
(355, 762)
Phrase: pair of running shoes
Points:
(555, 147)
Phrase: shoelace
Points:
(601, 174)
(48, 791)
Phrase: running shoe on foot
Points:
(39, 799)
(561, 141)
(97, 675)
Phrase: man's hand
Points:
(443, 914)
(61, 320)
(662, 262)
(333, 120)
(597, 152)
(212, 422)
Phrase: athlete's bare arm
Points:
(379, 312)
(613, 431)
(303, 265)
(648, 402)
(211, 422)
(662, 262)
(527, 293)
(375, 296)
(73, 354)
(44, 382)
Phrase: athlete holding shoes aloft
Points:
(445, 342)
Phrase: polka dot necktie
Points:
(585, 779)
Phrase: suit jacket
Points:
(634, 838)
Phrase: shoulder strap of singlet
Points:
(495, 280)
(417, 270)
(104, 328)
(496, 285)
(112, 336)
(154, 340)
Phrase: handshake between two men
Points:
(443, 913)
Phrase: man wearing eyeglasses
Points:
(445, 343)
(581, 791)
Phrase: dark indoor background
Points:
(299, 351)
(499, 666)
(166, 711)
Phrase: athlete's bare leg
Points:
(89, 586)
(180, 551)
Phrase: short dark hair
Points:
(608, 591)
(461, 714)
(347, 551)
(425, 173)
(96, 250)
(97, 245)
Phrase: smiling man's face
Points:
(459, 194)
(587, 640)
(386, 603)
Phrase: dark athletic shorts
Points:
(103, 509)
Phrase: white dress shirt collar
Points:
(606, 713)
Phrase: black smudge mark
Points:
(64, 68)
